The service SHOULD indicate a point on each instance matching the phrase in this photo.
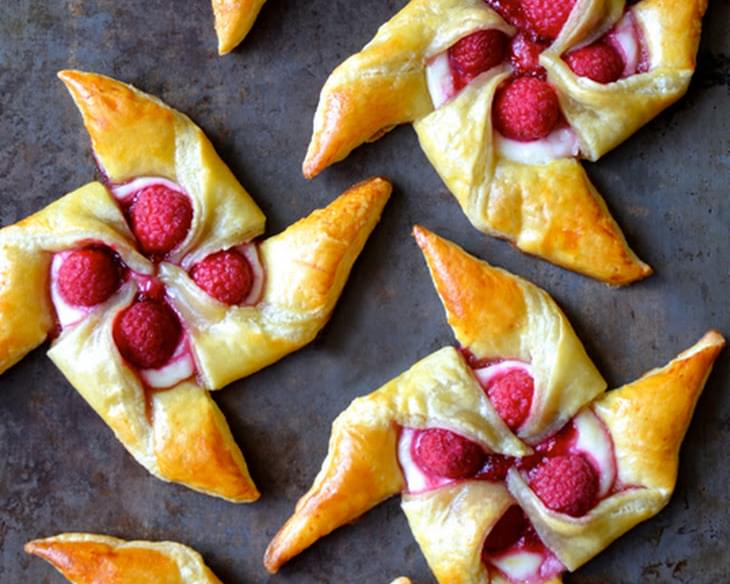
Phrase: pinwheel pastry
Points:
(154, 288)
(233, 20)
(506, 96)
(513, 462)
(87, 558)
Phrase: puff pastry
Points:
(146, 352)
(491, 496)
(531, 191)
(233, 20)
(87, 558)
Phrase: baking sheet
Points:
(62, 470)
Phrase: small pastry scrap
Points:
(87, 558)
(513, 462)
(233, 20)
(154, 287)
(506, 96)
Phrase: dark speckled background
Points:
(62, 470)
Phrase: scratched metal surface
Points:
(62, 470)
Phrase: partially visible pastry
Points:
(87, 558)
(233, 20)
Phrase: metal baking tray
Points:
(61, 469)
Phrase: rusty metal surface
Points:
(60, 467)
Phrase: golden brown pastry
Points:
(233, 20)
(154, 288)
(513, 462)
(87, 558)
(505, 97)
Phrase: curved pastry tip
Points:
(478, 298)
(649, 417)
(87, 558)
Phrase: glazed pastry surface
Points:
(164, 415)
(233, 20)
(87, 558)
(633, 433)
(545, 205)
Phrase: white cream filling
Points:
(124, 191)
(560, 143)
(68, 314)
(439, 79)
(486, 374)
(180, 367)
(519, 566)
(594, 440)
(416, 480)
(251, 253)
(625, 40)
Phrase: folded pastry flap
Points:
(649, 417)
(26, 315)
(385, 84)
(604, 115)
(193, 444)
(360, 471)
(550, 210)
(588, 19)
(233, 21)
(497, 315)
(441, 391)
(576, 540)
(553, 211)
(467, 165)
(134, 134)
(86, 558)
(671, 30)
(306, 268)
(87, 215)
(451, 524)
(87, 356)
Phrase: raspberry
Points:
(511, 395)
(476, 53)
(599, 62)
(147, 333)
(566, 484)
(495, 467)
(226, 276)
(526, 56)
(547, 17)
(88, 276)
(507, 530)
(526, 109)
(447, 454)
(160, 218)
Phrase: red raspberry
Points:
(226, 276)
(160, 218)
(599, 62)
(526, 109)
(147, 333)
(495, 467)
(507, 530)
(547, 17)
(566, 484)
(88, 276)
(511, 395)
(526, 56)
(476, 53)
(447, 454)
